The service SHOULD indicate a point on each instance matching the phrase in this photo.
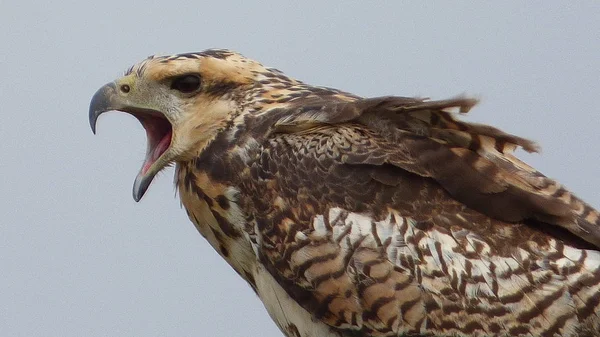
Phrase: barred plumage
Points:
(353, 216)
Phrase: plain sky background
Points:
(78, 257)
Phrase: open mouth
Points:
(159, 133)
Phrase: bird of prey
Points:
(356, 217)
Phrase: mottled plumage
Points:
(353, 216)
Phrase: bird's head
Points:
(183, 101)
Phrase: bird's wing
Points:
(473, 162)
(388, 215)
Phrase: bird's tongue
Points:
(159, 133)
(155, 149)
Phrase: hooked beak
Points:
(158, 131)
(102, 101)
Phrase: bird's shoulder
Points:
(389, 140)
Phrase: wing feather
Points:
(473, 162)
(390, 216)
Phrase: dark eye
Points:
(186, 83)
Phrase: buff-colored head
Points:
(182, 101)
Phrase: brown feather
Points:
(473, 162)
(386, 216)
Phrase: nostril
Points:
(125, 88)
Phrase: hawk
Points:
(356, 217)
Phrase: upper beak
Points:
(105, 99)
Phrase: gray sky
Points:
(78, 257)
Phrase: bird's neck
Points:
(211, 197)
